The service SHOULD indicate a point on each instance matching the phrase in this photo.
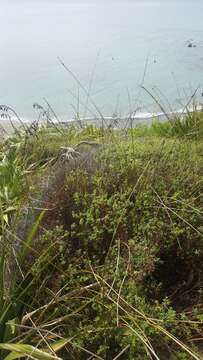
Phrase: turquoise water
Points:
(111, 46)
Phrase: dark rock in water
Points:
(191, 44)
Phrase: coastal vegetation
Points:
(101, 242)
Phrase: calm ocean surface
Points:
(111, 46)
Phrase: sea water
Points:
(110, 49)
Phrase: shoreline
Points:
(134, 119)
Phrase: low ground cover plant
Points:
(109, 264)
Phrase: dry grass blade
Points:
(157, 102)
(121, 352)
(145, 318)
(83, 88)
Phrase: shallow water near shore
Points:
(111, 46)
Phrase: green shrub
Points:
(115, 266)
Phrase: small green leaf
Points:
(5, 217)
(12, 325)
